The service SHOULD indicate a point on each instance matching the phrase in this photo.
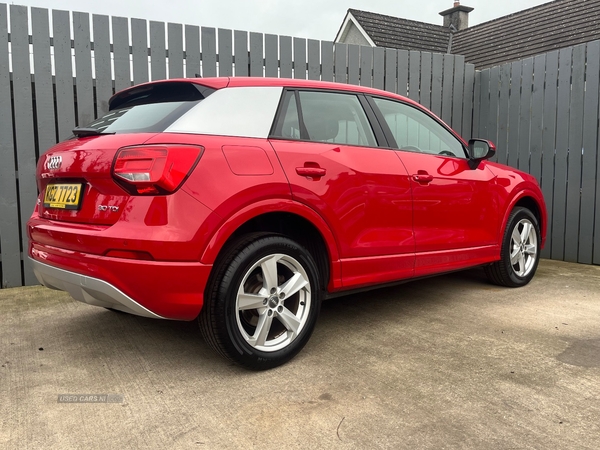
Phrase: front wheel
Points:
(263, 303)
(520, 251)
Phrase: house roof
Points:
(552, 25)
(394, 32)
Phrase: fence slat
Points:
(561, 157)
(209, 52)
(549, 143)
(300, 58)
(514, 102)
(9, 213)
(44, 90)
(139, 50)
(447, 84)
(477, 105)
(271, 55)
(537, 116)
(492, 127)
(192, 51)
(314, 58)
(354, 66)
(256, 55)
(574, 155)
(366, 66)
(378, 67)
(590, 157)
(24, 129)
(426, 80)
(327, 61)
(484, 101)
(225, 53)
(525, 114)
(437, 74)
(457, 100)
(240, 45)
(341, 63)
(403, 72)
(158, 58)
(120, 35)
(414, 67)
(175, 39)
(467, 132)
(285, 57)
(391, 69)
(102, 63)
(83, 68)
(503, 106)
(65, 102)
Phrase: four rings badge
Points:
(53, 162)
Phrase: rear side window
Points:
(232, 111)
(326, 117)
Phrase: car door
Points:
(455, 207)
(329, 151)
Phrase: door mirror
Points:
(480, 149)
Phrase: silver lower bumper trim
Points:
(88, 289)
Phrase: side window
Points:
(416, 131)
(336, 118)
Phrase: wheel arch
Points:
(528, 199)
(288, 218)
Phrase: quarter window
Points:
(416, 131)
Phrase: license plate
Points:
(63, 196)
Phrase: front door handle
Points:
(315, 172)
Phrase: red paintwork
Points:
(379, 223)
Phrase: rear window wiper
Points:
(84, 132)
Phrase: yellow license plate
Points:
(63, 196)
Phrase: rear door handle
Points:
(311, 171)
(423, 177)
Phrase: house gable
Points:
(351, 32)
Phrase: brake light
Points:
(155, 169)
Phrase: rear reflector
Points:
(129, 254)
(155, 169)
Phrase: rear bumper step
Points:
(88, 289)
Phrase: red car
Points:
(244, 202)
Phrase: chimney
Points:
(458, 16)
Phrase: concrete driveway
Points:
(445, 363)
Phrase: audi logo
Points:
(53, 162)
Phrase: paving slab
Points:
(450, 362)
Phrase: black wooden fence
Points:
(53, 80)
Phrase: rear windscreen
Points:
(149, 118)
(149, 108)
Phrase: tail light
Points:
(155, 169)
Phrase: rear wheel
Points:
(263, 303)
(520, 251)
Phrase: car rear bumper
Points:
(157, 289)
(88, 289)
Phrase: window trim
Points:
(390, 136)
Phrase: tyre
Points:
(520, 252)
(263, 302)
